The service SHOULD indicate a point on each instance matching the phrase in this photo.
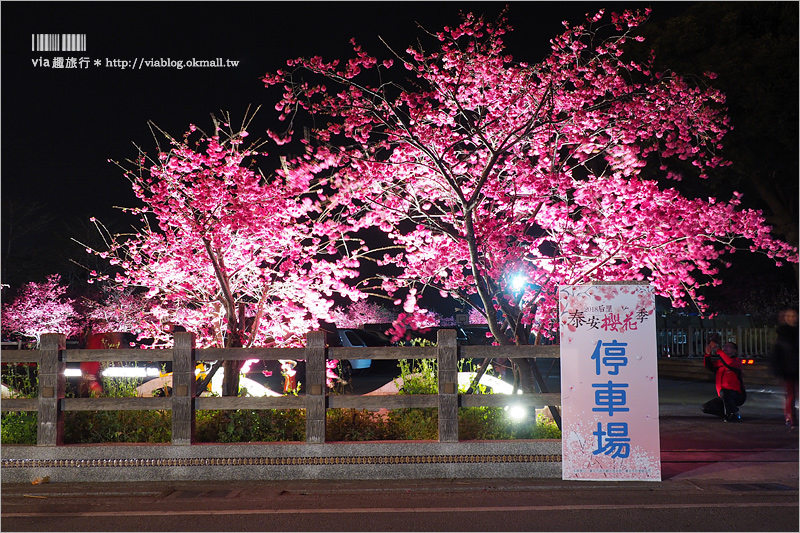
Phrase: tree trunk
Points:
(230, 382)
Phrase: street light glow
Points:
(518, 282)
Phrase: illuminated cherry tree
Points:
(475, 316)
(361, 312)
(500, 180)
(41, 308)
(238, 258)
(124, 310)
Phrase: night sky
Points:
(60, 126)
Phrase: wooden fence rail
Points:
(52, 358)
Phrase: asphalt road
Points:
(468, 505)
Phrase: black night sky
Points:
(60, 126)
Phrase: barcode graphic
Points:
(45, 42)
(73, 42)
(58, 42)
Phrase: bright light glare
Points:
(497, 385)
(517, 412)
(517, 282)
(72, 372)
(253, 388)
(130, 372)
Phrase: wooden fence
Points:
(52, 358)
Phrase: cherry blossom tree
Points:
(237, 257)
(41, 308)
(128, 311)
(475, 316)
(500, 180)
(356, 314)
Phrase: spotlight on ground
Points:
(517, 412)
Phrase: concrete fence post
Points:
(183, 389)
(447, 356)
(52, 385)
(316, 356)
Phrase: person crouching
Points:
(730, 387)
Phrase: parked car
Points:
(475, 335)
(359, 338)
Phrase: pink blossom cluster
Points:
(238, 258)
(356, 314)
(121, 311)
(41, 308)
(482, 170)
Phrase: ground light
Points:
(498, 386)
(516, 412)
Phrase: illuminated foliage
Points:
(359, 313)
(41, 308)
(486, 171)
(236, 257)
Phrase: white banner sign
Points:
(609, 383)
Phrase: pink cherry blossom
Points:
(361, 312)
(480, 169)
(227, 253)
(41, 308)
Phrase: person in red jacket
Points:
(730, 388)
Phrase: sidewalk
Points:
(697, 446)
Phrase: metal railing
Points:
(691, 342)
(52, 403)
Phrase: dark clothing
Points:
(785, 353)
(727, 403)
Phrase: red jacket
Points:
(727, 378)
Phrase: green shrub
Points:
(419, 377)
(18, 427)
(269, 425)
(21, 427)
(355, 425)
(493, 423)
(21, 379)
(415, 423)
(95, 427)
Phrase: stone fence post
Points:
(316, 357)
(183, 389)
(52, 385)
(447, 356)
